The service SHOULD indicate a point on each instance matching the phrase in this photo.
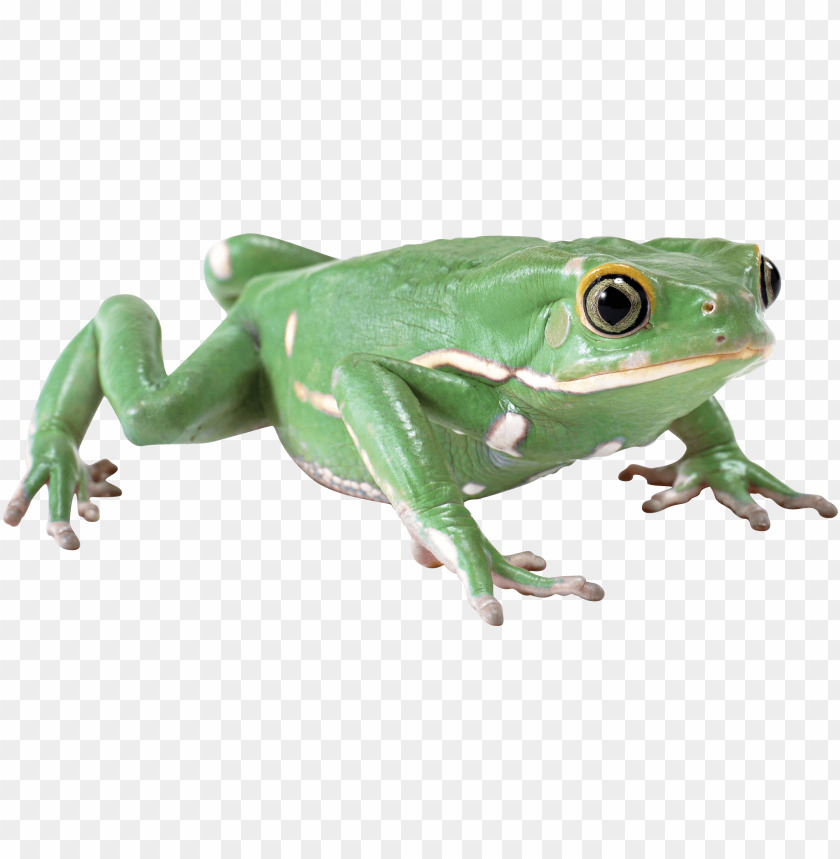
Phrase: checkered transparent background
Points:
(239, 662)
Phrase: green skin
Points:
(430, 374)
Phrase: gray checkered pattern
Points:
(239, 662)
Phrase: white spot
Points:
(606, 448)
(323, 402)
(219, 260)
(574, 266)
(498, 372)
(472, 488)
(291, 327)
(507, 433)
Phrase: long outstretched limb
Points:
(214, 394)
(714, 459)
(388, 407)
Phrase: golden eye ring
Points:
(615, 300)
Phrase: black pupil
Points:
(613, 305)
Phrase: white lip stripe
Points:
(495, 371)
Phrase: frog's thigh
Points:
(214, 394)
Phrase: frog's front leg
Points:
(388, 407)
(713, 459)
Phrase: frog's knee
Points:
(122, 308)
(149, 421)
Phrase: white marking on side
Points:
(473, 488)
(606, 448)
(323, 402)
(498, 372)
(321, 474)
(507, 433)
(219, 260)
(291, 328)
(538, 475)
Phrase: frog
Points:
(429, 375)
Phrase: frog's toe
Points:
(88, 511)
(423, 556)
(578, 586)
(102, 469)
(63, 534)
(741, 504)
(670, 497)
(517, 579)
(17, 507)
(662, 476)
(797, 502)
(489, 609)
(526, 561)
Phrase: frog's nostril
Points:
(720, 339)
(709, 307)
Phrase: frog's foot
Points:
(732, 478)
(489, 609)
(92, 482)
(508, 574)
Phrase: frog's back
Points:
(383, 300)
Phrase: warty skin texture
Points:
(428, 374)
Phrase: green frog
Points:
(431, 374)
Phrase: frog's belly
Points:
(480, 470)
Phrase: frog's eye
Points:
(616, 305)
(770, 282)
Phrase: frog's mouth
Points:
(652, 372)
(467, 362)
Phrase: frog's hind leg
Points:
(215, 393)
(231, 263)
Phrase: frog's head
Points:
(627, 313)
